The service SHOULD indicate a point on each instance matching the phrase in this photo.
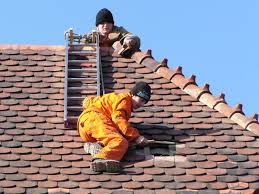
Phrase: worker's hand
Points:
(141, 140)
(67, 33)
(130, 42)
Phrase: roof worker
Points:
(104, 126)
(110, 34)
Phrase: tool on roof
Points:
(151, 141)
(83, 73)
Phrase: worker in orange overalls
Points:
(104, 125)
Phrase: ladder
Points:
(83, 73)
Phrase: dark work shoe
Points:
(92, 148)
(113, 166)
(100, 165)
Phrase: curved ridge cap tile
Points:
(236, 114)
(253, 127)
(32, 47)
(210, 100)
(163, 63)
(190, 81)
(139, 56)
(204, 95)
(148, 52)
(254, 117)
(227, 110)
(147, 60)
(242, 120)
(182, 81)
(168, 73)
(197, 92)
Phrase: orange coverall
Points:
(105, 120)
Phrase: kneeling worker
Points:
(104, 126)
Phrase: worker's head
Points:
(104, 21)
(141, 93)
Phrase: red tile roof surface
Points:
(217, 147)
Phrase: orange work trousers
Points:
(96, 127)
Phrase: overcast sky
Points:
(216, 40)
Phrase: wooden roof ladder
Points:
(83, 73)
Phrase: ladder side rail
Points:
(66, 84)
(102, 82)
(98, 64)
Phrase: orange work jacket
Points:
(116, 107)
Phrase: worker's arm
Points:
(120, 117)
(127, 38)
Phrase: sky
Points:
(216, 40)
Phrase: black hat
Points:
(104, 15)
(141, 89)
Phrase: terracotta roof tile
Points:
(37, 190)
(163, 178)
(27, 184)
(237, 171)
(28, 170)
(196, 185)
(238, 158)
(47, 184)
(184, 178)
(227, 178)
(16, 190)
(247, 151)
(30, 157)
(174, 185)
(132, 185)
(218, 185)
(37, 177)
(62, 164)
(153, 185)
(254, 158)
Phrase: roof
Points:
(216, 151)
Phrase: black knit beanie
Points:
(104, 15)
(141, 89)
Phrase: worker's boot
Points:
(100, 165)
(92, 148)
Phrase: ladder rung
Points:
(81, 44)
(82, 88)
(84, 52)
(77, 98)
(70, 124)
(82, 61)
(72, 119)
(75, 108)
(83, 70)
(81, 79)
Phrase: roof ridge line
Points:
(202, 94)
(32, 47)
